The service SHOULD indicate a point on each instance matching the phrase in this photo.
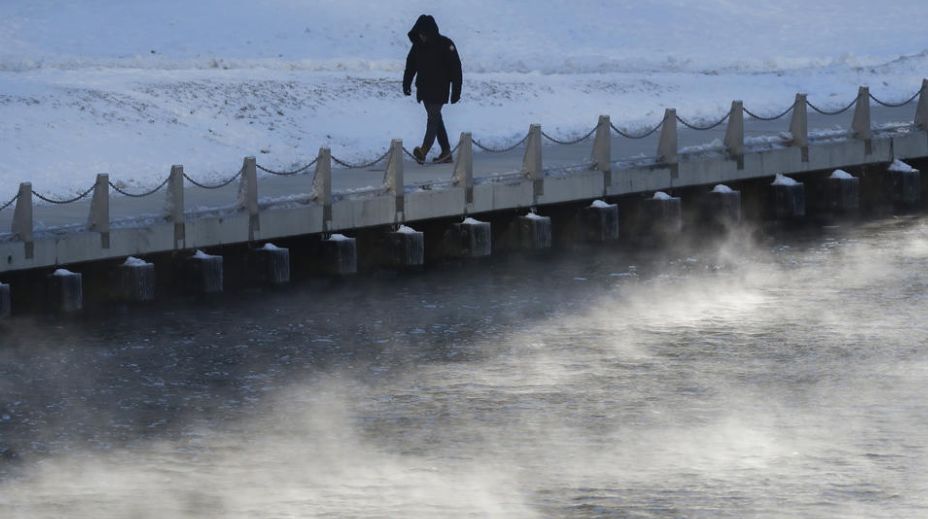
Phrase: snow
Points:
(660, 195)
(471, 221)
(533, 216)
(270, 246)
(62, 273)
(599, 204)
(200, 255)
(130, 88)
(722, 188)
(840, 174)
(783, 180)
(901, 167)
(407, 230)
(339, 237)
(135, 262)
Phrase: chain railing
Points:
(569, 142)
(11, 202)
(505, 149)
(768, 118)
(712, 126)
(889, 104)
(139, 195)
(361, 165)
(628, 135)
(557, 140)
(220, 185)
(66, 201)
(832, 112)
(297, 171)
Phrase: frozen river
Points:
(782, 379)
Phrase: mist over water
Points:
(778, 379)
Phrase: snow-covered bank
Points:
(130, 88)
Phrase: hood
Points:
(424, 25)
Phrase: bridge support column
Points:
(65, 291)
(600, 222)
(135, 281)
(405, 248)
(722, 207)
(532, 232)
(661, 215)
(469, 239)
(5, 306)
(842, 193)
(788, 198)
(905, 185)
(340, 255)
(269, 265)
(203, 273)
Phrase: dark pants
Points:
(435, 128)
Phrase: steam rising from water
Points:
(780, 382)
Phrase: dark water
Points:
(785, 378)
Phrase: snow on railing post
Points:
(602, 149)
(861, 125)
(921, 113)
(734, 135)
(174, 206)
(667, 146)
(799, 126)
(532, 162)
(99, 219)
(464, 167)
(322, 185)
(393, 178)
(248, 195)
(22, 218)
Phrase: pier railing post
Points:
(22, 218)
(99, 219)
(174, 205)
(393, 178)
(248, 195)
(667, 146)
(799, 126)
(734, 134)
(602, 150)
(322, 185)
(861, 125)
(464, 167)
(532, 162)
(921, 113)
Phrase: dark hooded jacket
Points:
(434, 63)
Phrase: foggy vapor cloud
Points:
(736, 382)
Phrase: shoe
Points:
(419, 154)
(444, 158)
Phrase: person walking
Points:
(434, 62)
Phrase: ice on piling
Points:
(722, 188)
(407, 230)
(132, 261)
(202, 255)
(62, 273)
(471, 221)
(270, 246)
(599, 204)
(660, 195)
(533, 216)
(840, 174)
(338, 237)
(783, 180)
(901, 167)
